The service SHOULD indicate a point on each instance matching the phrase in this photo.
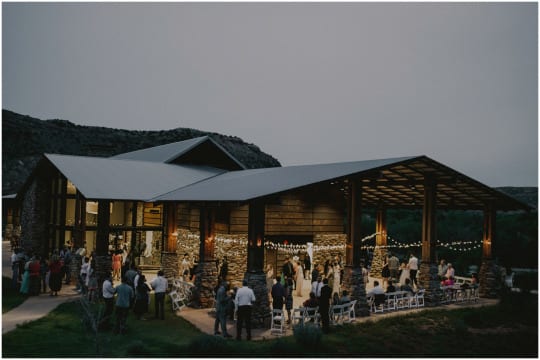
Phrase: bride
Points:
(405, 274)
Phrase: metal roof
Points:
(390, 183)
(169, 152)
(116, 179)
(162, 153)
(249, 184)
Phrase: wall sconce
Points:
(259, 242)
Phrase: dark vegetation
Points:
(11, 298)
(509, 329)
(25, 139)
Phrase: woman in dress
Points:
(55, 278)
(404, 273)
(337, 278)
(25, 285)
(385, 273)
(116, 264)
(299, 278)
(269, 277)
(91, 282)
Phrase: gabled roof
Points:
(171, 153)
(390, 183)
(249, 184)
(117, 179)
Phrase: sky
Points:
(306, 82)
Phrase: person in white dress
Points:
(404, 273)
(299, 278)
(337, 278)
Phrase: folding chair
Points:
(176, 300)
(278, 322)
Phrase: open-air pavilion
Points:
(193, 195)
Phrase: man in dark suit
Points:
(324, 306)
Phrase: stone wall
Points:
(34, 218)
(489, 279)
(353, 282)
(327, 246)
(169, 264)
(428, 279)
(205, 283)
(235, 248)
(377, 263)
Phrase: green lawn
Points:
(10, 298)
(508, 330)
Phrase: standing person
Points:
(288, 297)
(123, 301)
(385, 273)
(337, 278)
(92, 282)
(43, 270)
(441, 269)
(68, 257)
(224, 269)
(141, 298)
(450, 272)
(108, 292)
(278, 294)
(15, 268)
(269, 277)
(82, 274)
(55, 279)
(222, 304)
(315, 274)
(185, 267)
(393, 267)
(365, 273)
(299, 279)
(317, 286)
(405, 274)
(307, 266)
(117, 264)
(244, 299)
(324, 306)
(286, 270)
(159, 284)
(413, 269)
(25, 284)
(35, 278)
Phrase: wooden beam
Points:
(207, 223)
(354, 214)
(429, 221)
(256, 229)
(381, 238)
(103, 227)
(489, 231)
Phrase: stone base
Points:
(205, 283)
(488, 278)
(260, 313)
(379, 257)
(428, 279)
(353, 282)
(169, 264)
(103, 266)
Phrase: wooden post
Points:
(256, 236)
(380, 228)
(103, 227)
(429, 221)
(354, 212)
(171, 235)
(489, 231)
(207, 222)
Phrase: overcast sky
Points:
(307, 83)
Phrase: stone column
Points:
(381, 242)
(428, 267)
(206, 272)
(488, 278)
(255, 275)
(353, 281)
(169, 264)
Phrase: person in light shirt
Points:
(159, 284)
(244, 299)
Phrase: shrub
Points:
(137, 348)
(308, 335)
(208, 344)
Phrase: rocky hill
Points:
(25, 139)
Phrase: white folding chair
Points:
(420, 297)
(312, 314)
(390, 302)
(176, 300)
(298, 316)
(278, 322)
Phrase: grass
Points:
(509, 329)
(11, 298)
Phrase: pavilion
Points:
(194, 196)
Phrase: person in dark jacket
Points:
(324, 306)
(278, 294)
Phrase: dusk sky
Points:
(306, 82)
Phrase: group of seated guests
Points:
(336, 300)
(377, 288)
